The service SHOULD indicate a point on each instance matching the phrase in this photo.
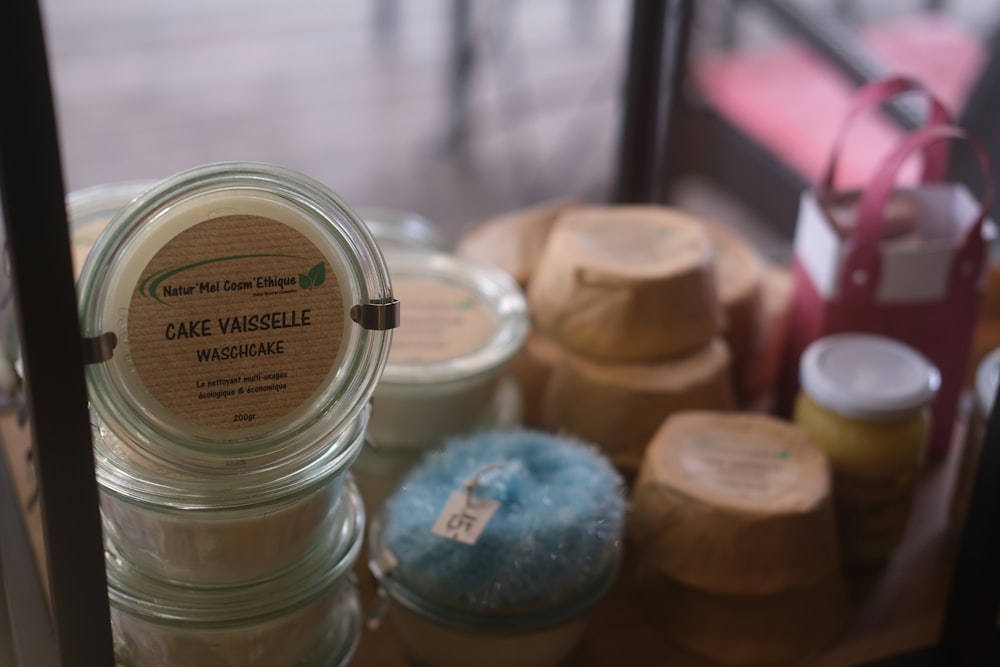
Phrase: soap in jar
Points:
(307, 615)
(512, 587)
(865, 400)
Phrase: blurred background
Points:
(462, 109)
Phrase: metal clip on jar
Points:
(865, 400)
(218, 309)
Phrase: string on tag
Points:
(473, 482)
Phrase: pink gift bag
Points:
(923, 289)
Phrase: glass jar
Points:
(233, 312)
(405, 231)
(435, 634)
(232, 526)
(306, 616)
(984, 394)
(489, 554)
(464, 323)
(441, 642)
(865, 400)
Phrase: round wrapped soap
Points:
(619, 407)
(783, 628)
(550, 548)
(513, 241)
(757, 378)
(532, 368)
(739, 273)
(627, 283)
(733, 503)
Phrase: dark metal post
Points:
(462, 63)
(969, 630)
(38, 242)
(657, 56)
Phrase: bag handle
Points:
(861, 271)
(875, 196)
(874, 94)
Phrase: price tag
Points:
(464, 517)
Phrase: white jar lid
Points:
(987, 379)
(866, 376)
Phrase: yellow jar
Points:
(865, 400)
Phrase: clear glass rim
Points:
(350, 618)
(987, 380)
(220, 491)
(327, 565)
(513, 622)
(405, 228)
(104, 199)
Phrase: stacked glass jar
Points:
(446, 376)
(236, 319)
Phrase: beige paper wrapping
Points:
(619, 407)
(739, 274)
(532, 367)
(780, 629)
(757, 378)
(733, 503)
(630, 283)
(513, 241)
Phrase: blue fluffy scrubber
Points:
(554, 537)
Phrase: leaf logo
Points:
(315, 277)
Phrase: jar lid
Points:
(463, 318)
(326, 565)
(492, 534)
(866, 376)
(987, 380)
(234, 309)
(403, 230)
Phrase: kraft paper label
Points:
(750, 469)
(636, 242)
(235, 322)
(442, 321)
